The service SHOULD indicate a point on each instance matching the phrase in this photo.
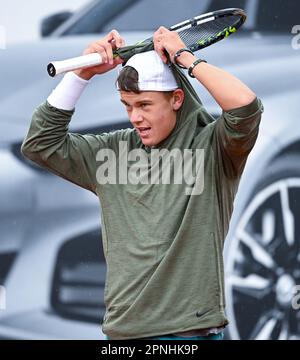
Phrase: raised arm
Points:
(237, 128)
(228, 91)
(50, 144)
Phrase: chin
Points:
(148, 142)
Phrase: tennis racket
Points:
(197, 33)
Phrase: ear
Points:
(177, 99)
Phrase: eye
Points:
(144, 105)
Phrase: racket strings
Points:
(205, 31)
(195, 37)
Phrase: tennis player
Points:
(162, 240)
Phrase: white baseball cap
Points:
(153, 73)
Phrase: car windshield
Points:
(148, 15)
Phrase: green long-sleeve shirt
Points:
(163, 247)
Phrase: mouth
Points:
(144, 131)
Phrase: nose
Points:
(136, 116)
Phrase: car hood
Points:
(267, 64)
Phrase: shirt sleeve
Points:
(69, 155)
(236, 132)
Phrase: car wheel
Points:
(263, 261)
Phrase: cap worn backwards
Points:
(153, 73)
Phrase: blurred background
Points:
(51, 258)
(22, 23)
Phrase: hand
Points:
(105, 48)
(170, 41)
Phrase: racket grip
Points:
(57, 67)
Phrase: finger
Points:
(155, 34)
(162, 29)
(117, 43)
(157, 40)
(109, 52)
(113, 33)
(117, 39)
(161, 52)
(97, 48)
(156, 46)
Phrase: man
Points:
(162, 241)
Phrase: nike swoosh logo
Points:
(200, 314)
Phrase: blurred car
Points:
(51, 259)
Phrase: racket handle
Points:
(57, 67)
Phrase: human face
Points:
(151, 113)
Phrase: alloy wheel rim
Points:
(263, 265)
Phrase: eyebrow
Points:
(138, 102)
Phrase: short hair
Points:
(128, 80)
